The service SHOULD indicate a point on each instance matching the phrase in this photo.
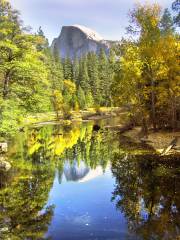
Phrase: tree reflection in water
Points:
(147, 192)
(37, 156)
(22, 211)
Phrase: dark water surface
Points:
(75, 183)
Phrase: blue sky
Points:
(107, 17)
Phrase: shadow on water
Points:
(57, 165)
(147, 192)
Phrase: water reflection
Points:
(61, 187)
(21, 203)
(147, 191)
(75, 171)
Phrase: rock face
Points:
(76, 41)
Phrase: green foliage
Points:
(146, 78)
(11, 117)
(166, 23)
(141, 74)
(89, 99)
(104, 78)
(81, 98)
(68, 69)
(23, 70)
(94, 80)
(176, 9)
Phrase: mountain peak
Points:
(91, 34)
(77, 40)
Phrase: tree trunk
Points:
(153, 110)
(144, 129)
(6, 85)
(174, 114)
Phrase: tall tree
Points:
(83, 74)
(94, 77)
(23, 70)
(43, 41)
(166, 23)
(176, 9)
(145, 19)
(104, 77)
(68, 69)
(81, 98)
(76, 66)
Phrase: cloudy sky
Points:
(107, 17)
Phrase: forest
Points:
(140, 73)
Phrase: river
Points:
(77, 182)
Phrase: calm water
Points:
(73, 183)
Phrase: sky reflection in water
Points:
(73, 183)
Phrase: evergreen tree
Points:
(94, 77)
(81, 98)
(76, 69)
(176, 9)
(89, 99)
(166, 23)
(83, 74)
(104, 78)
(68, 69)
(112, 69)
(43, 41)
(57, 82)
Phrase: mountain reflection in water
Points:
(75, 171)
(75, 183)
(80, 172)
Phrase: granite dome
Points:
(77, 40)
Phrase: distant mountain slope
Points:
(77, 40)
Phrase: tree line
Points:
(148, 80)
(141, 73)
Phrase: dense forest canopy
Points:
(141, 73)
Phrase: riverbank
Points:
(159, 141)
(82, 115)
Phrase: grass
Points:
(75, 115)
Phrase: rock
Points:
(4, 229)
(77, 41)
(4, 165)
(3, 147)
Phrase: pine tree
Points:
(57, 82)
(94, 77)
(83, 74)
(76, 69)
(68, 69)
(112, 69)
(166, 23)
(176, 9)
(81, 98)
(43, 41)
(89, 99)
(104, 77)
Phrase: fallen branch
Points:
(170, 146)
